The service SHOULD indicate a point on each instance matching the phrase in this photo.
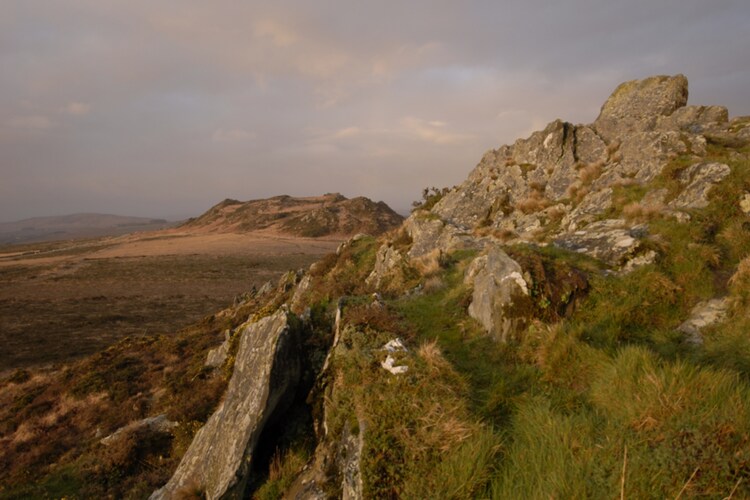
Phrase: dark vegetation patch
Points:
(556, 287)
(52, 315)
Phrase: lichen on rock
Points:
(266, 372)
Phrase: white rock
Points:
(745, 203)
(394, 345)
(516, 276)
(396, 370)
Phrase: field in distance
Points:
(63, 300)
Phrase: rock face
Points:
(564, 186)
(349, 462)
(497, 281)
(266, 372)
(612, 241)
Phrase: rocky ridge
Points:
(327, 215)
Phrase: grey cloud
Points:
(158, 108)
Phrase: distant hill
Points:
(328, 215)
(73, 226)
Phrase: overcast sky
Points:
(164, 108)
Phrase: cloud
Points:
(371, 98)
(434, 131)
(31, 122)
(77, 108)
(347, 132)
(280, 35)
(233, 135)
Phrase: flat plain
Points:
(63, 300)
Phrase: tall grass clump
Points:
(676, 418)
(553, 455)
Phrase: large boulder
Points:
(638, 105)
(266, 372)
(497, 282)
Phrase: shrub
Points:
(430, 197)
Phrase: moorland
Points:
(64, 300)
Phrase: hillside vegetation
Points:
(570, 322)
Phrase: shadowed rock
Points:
(265, 375)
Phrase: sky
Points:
(164, 108)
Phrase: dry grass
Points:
(589, 173)
(642, 212)
(534, 202)
(577, 191)
(739, 283)
(432, 355)
(429, 264)
(433, 284)
(555, 214)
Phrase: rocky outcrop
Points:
(349, 462)
(612, 241)
(336, 464)
(157, 424)
(327, 215)
(497, 281)
(430, 233)
(698, 180)
(558, 186)
(704, 314)
(388, 262)
(218, 355)
(266, 372)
